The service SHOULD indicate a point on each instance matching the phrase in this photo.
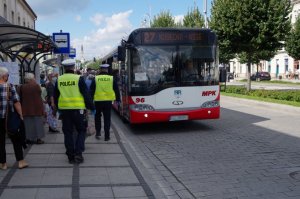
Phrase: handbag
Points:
(13, 119)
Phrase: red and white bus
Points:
(167, 74)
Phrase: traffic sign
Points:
(62, 40)
(72, 52)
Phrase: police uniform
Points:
(104, 89)
(71, 98)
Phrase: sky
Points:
(99, 25)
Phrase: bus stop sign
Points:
(72, 52)
(62, 40)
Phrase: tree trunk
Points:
(257, 79)
(248, 76)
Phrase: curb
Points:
(266, 105)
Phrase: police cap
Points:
(104, 65)
(68, 63)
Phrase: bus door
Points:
(124, 91)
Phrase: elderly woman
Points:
(33, 110)
(51, 111)
(13, 99)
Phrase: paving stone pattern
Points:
(107, 172)
(239, 156)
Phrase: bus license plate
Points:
(179, 117)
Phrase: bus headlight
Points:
(141, 107)
(210, 104)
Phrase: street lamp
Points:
(149, 16)
(205, 14)
(146, 22)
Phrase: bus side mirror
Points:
(121, 53)
(223, 75)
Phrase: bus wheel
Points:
(124, 120)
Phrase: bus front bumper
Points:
(166, 116)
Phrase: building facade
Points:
(17, 12)
(280, 65)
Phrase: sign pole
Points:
(61, 59)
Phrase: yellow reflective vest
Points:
(104, 88)
(70, 96)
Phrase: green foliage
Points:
(163, 19)
(94, 64)
(251, 26)
(285, 95)
(292, 44)
(193, 19)
(236, 89)
(253, 29)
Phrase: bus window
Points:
(140, 77)
(197, 65)
(189, 71)
(152, 67)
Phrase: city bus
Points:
(167, 74)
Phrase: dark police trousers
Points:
(103, 107)
(71, 119)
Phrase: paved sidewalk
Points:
(107, 172)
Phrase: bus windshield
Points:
(159, 67)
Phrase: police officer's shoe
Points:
(97, 136)
(71, 159)
(51, 130)
(106, 139)
(78, 159)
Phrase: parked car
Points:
(260, 76)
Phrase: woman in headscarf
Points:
(33, 110)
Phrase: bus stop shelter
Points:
(24, 45)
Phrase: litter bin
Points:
(280, 77)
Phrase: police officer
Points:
(71, 98)
(105, 90)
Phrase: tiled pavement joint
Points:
(144, 185)
(107, 172)
(75, 182)
(189, 194)
(11, 172)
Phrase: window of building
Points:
(286, 64)
(12, 17)
(19, 20)
(5, 11)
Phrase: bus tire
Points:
(124, 120)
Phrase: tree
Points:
(163, 19)
(292, 44)
(95, 64)
(225, 52)
(251, 28)
(193, 19)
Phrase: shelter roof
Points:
(3, 21)
(54, 62)
(22, 39)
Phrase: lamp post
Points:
(205, 14)
(149, 16)
(146, 22)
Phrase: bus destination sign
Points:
(171, 37)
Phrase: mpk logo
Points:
(208, 93)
